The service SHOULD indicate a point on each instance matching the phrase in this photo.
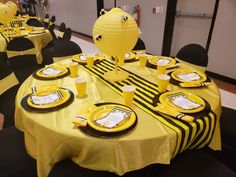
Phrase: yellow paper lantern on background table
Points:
(115, 33)
(7, 12)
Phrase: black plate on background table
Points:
(91, 131)
(176, 82)
(202, 113)
(29, 108)
(50, 78)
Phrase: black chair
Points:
(70, 169)
(14, 160)
(46, 21)
(194, 54)
(51, 30)
(7, 98)
(52, 20)
(34, 22)
(22, 64)
(140, 45)
(60, 48)
(65, 48)
(67, 34)
(228, 136)
(61, 30)
(195, 163)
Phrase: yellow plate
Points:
(101, 111)
(166, 99)
(129, 56)
(202, 77)
(154, 59)
(62, 69)
(47, 90)
(81, 58)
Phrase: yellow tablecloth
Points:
(40, 41)
(51, 137)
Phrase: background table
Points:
(40, 41)
(51, 137)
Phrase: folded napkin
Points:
(80, 120)
(112, 119)
(194, 84)
(173, 113)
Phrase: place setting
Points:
(51, 72)
(154, 61)
(88, 59)
(129, 57)
(47, 98)
(189, 78)
(181, 105)
(108, 119)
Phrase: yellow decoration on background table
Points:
(115, 33)
(7, 12)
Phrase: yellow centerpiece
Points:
(115, 33)
(7, 12)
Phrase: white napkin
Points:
(45, 99)
(183, 102)
(51, 71)
(113, 118)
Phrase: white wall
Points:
(79, 15)
(191, 29)
(222, 51)
(151, 25)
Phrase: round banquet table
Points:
(51, 137)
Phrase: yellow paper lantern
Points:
(115, 33)
(7, 12)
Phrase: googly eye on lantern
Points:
(98, 37)
(102, 12)
(124, 18)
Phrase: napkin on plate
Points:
(173, 113)
(113, 118)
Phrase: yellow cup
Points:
(80, 84)
(161, 68)
(73, 66)
(162, 82)
(142, 59)
(90, 61)
(128, 93)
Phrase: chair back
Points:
(65, 48)
(194, 54)
(61, 31)
(21, 54)
(52, 20)
(51, 30)
(34, 22)
(67, 34)
(46, 21)
(139, 46)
